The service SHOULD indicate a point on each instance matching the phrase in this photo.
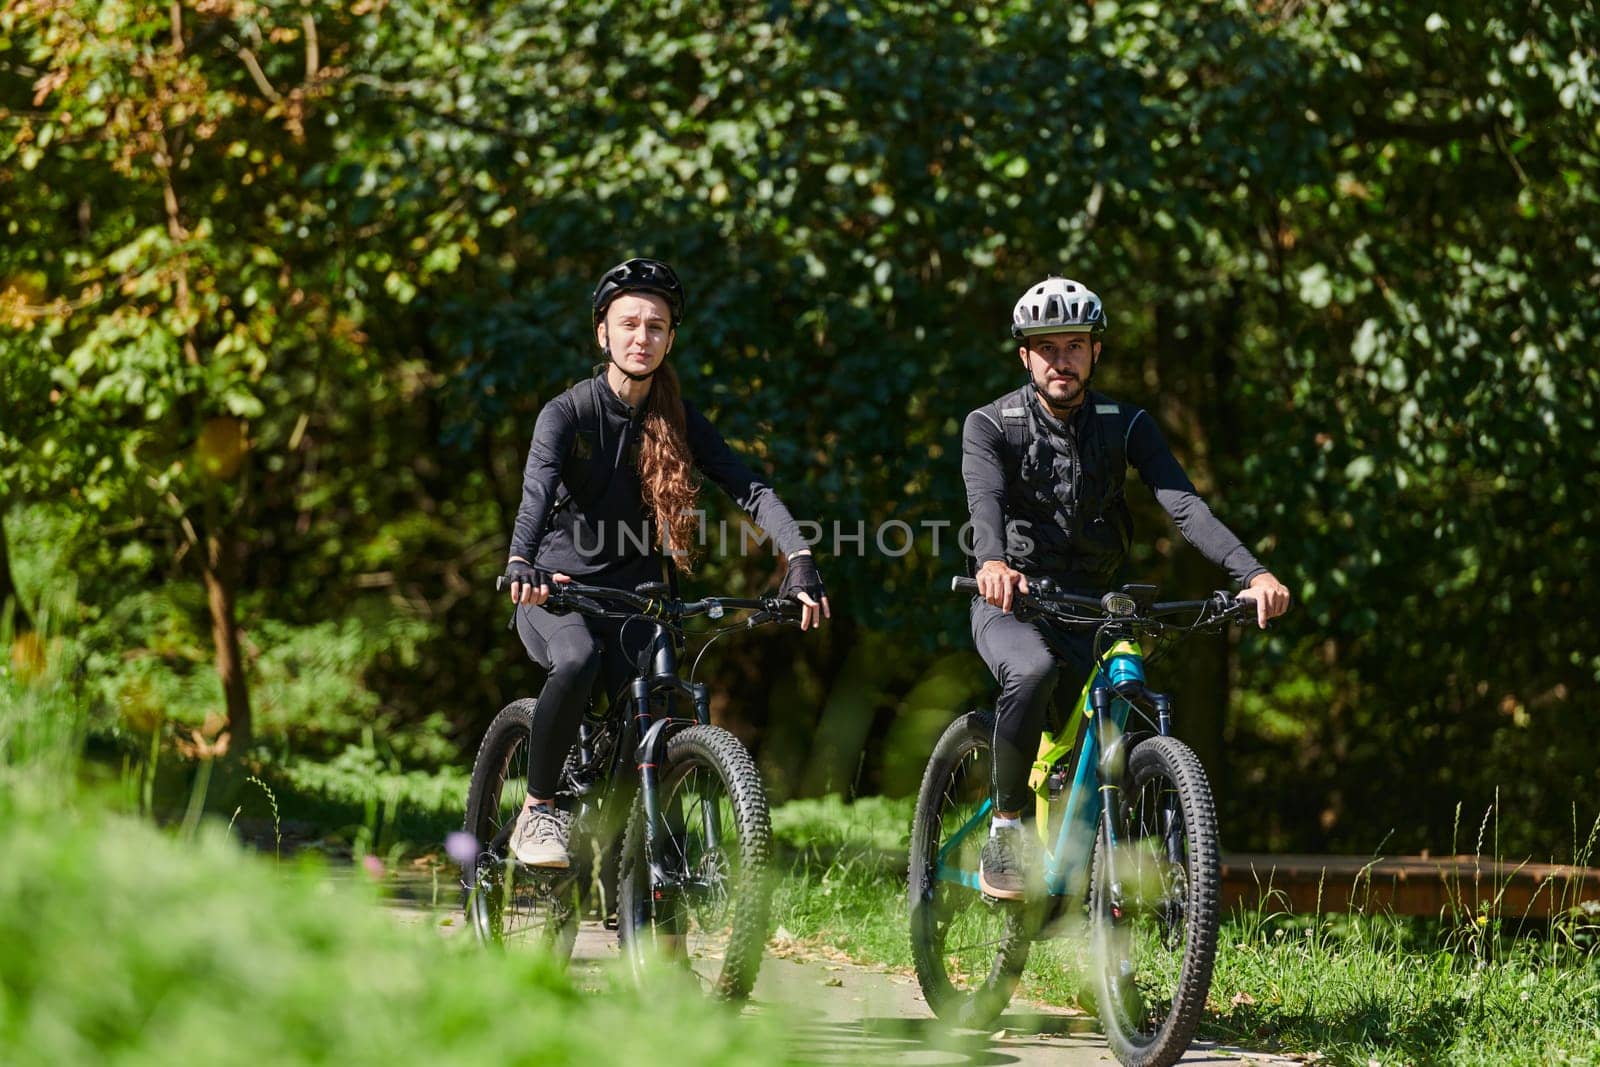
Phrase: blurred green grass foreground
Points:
(124, 943)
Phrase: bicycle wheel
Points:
(507, 904)
(719, 839)
(1154, 911)
(969, 951)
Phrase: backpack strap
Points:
(1115, 427)
(1010, 417)
(1017, 427)
(586, 409)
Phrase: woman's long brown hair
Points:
(666, 471)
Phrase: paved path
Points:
(844, 1013)
(838, 1012)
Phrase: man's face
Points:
(1059, 364)
(639, 327)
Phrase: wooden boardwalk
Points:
(1407, 885)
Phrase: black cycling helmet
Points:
(639, 276)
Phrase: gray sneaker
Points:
(1008, 863)
(540, 839)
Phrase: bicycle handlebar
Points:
(1227, 605)
(591, 600)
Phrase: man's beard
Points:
(1065, 404)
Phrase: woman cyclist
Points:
(608, 496)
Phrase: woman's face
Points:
(639, 329)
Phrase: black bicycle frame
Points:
(657, 677)
(661, 679)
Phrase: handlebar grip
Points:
(500, 581)
(959, 584)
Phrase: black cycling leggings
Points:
(576, 651)
(1030, 669)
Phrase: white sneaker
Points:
(540, 839)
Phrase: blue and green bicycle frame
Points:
(1099, 720)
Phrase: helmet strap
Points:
(1094, 365)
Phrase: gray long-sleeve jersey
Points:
(583, 511)
(1055, 506)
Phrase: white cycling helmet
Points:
(1057, 305)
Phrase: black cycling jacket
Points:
(583, 511)
(1056, 508)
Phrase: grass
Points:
(123, 943)
(1355, 989)
(130, 944)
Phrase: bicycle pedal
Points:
(1000, 902)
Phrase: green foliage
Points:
(42, 720)
(361, 795)
(149, 655)
(291, 285)
(1364, 989)
(845, 882)
(824, 826)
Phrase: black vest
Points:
(1065, 508)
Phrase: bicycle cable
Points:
(715, 635)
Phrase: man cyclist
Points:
(1045, 467)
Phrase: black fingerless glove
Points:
(802, 577)
(526, 574)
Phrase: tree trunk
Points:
(1201, 671)
(8, 587)
(845, 726)
(220, 579)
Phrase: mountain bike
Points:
(668, 808)
(1128, 836)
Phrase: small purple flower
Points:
(461, 847)
(373, 866)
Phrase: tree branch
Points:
(401, 93)
(259, 76)
(313, 63)
(1466, 128)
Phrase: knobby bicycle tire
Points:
(505, 903)
(957, 772)
(731, 871)
(1154, 957)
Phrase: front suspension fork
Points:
(666, 875)
(1113, 761)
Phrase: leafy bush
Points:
(118, 942)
